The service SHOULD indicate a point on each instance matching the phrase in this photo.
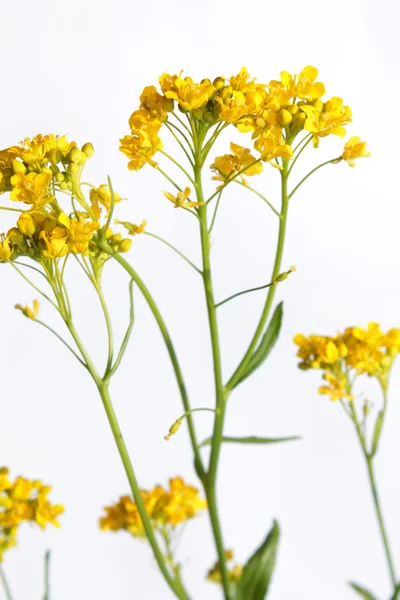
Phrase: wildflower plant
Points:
(60, 220)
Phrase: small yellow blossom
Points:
(101, 196)
(164, 507)
(229, 165)
(132, 228)
(5, 248)
(141, 146)
(304, 86)
(331, 120)
(181, 199)
(234, 573)
(354, 148)
(29, 312)
(31, 188)
(271, 145)
(336, 387)
(189, 95)
(23, 500)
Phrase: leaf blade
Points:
(257, 573)
(362, 591)
(266, 344)
(252, 439)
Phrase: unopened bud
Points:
(26, 225)
(55, 156)
(284, 117)
(63, 184)
(46, 170)
(219, 83)
(168, 104)
(88, 149)
(75, 155)
(198, 113)
(209, 117)
(318, 104)
(173, 429)
(299, 120)
(73, 168)
(292, 108)
(284, 275)
(125, 245)
(116, 238)
(54, 169)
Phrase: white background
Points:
(78, 67)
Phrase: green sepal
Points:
(257, 573)
(377, 432)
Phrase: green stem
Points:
(221, 397)
(116, 431)
(160, 239)
(375, 495)
(305, 141)
(170, 348)
(169, 125)
(215, 213)
(110, 334)
(255, 289)
(177, 163)
(4, 582)
(235, 378)
(47, 576)
(247, 187)
(327, 162)
(61, 340)
(127, 334)
(33, 285)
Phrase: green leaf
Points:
(257, 573)
(377, 432)
(363, 592)
(252, 439)
(396, 594)
(267, 343)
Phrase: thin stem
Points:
(157, 237)
(235, 378)
(177, 163)
(230, 179)
(327, 162)
(122, 449)
(61, 340)
(176, 186)
(220, 395)
(127, 334)
(181, 122)
(12, 209)
(4, 582)
(247, 187)
(107, 319)
(33, 285)
(47, 575)
(256, 289)
(30, 267)
(215, 213)
(178, 141)
(304, 141)
(170, 348)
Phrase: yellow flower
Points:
(5, 248)
(141, 146)
(336, 387)
(154, 103)
(181, 199)
(304, 86)
(131, 227)
(228, 165)
(271, 145)
(37, 151)
(31, 188)
(101, 196)
(354, 148)
(331, 120)
(164, 507)
(6, 158)
(26, 224)
(29, 312)
(79, 231)
(55, 243)
(317, 351)
(234, 573)
(45, 512)
(187, 93)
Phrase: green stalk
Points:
(369, 458)
(235, 378)
(47, 575)
(170, 348)
(4, 582)
(221, 396)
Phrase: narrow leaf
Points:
(257, 573)
(396, 594)
(267, 343)
(252, 439)
(362, 592)
(377, 432)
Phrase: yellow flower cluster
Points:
(356, 351)
(23, 500)
(164, 507)
(32, 172)
(273, 113)
(234, 573)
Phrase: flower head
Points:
(241, 160)
(234, 572)
(29, 312)
(354, 148)
(181, 199)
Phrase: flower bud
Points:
(292, 108)
(26, 225)
(18, 167)
(226, 92)
(75, 155)
(54, 169)
(284, 275)
(59, 177)
(116, 238)
(168, 104)
(209, 117)
(73, 168)
(46, 170)
(198, 113)
(63, 184)
(219, 83)
(284, 117)
(55, 156)
(88, 149)
(299, 120)
(173, 429)
(125, 245)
